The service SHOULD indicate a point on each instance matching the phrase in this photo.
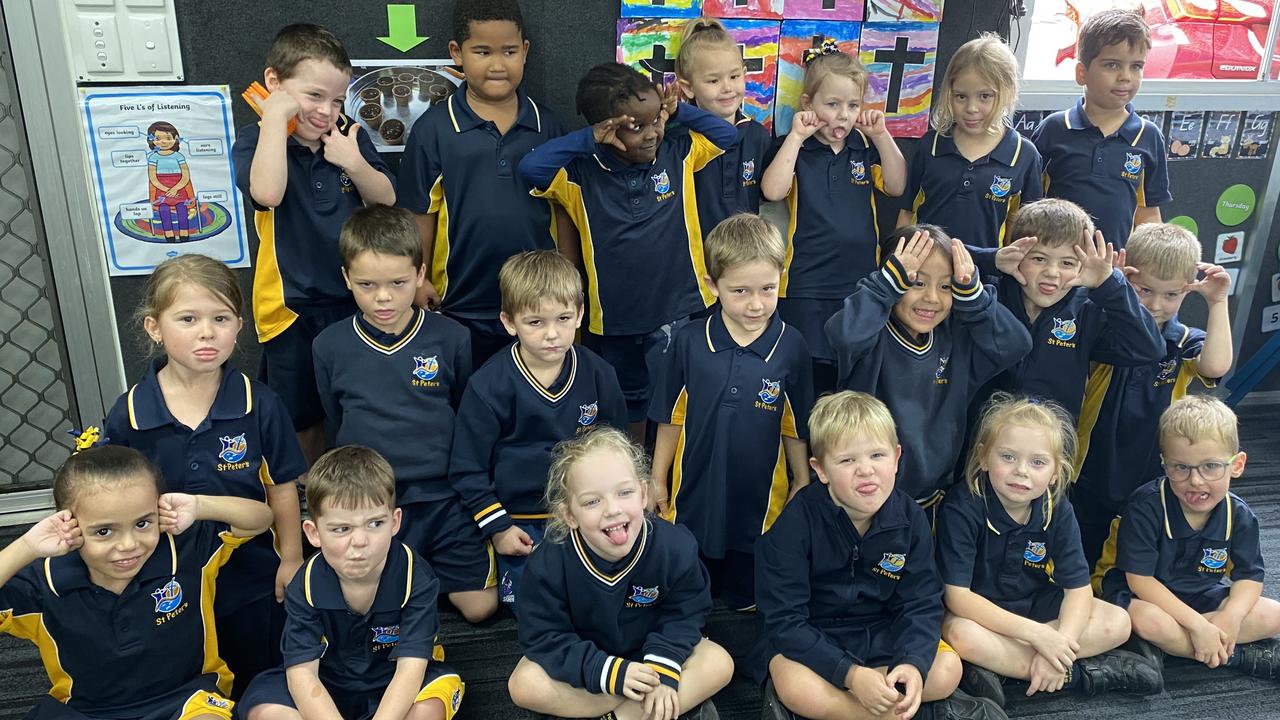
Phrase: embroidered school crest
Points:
(1035, 552)
(893, 562)
(506, 590)
(1214, 558)
(233, 448)
(346, 181)
(748, 170)
(168, 597)
(588, 414)
(426, 368)
(386, 634)
(214, 701)
(1132, 163)
(456, 699)
(1167, 370)
(858, 170)
(942, 367)
(1000, 186)
(661, 183)
(1064, 329)
(770, 391)
(643, 595)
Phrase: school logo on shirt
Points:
(168, 597)
(939, 375)
(890, 565)
(214, 701)
(1035, 552)
(233, 448)
(425, 371)
(858, 172)
(769, 393)
(1168, 372)
(344, 181)
(385, 635)
(456, 699)
(1063, 331)
(748, 171)
(506, 590)
(662, 186)
(1214, 559)
(588, 414)
(1132, 166)
(1000, 187)
(642, 596)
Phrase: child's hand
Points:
(343, 150)
(54, 536)
(513, 541)
(1044, 678)
(1009, 258)
(427, 297)
(1229, 623)
(963, 268)
(1210, 643)
(670, 96)
(1214, 286)
(913, 685)
(1095, 262)
(870, 690)
(170, 192)
(661, 704)
(177, 512)
(1057, 648)
(805, 123)
(606, 131)
(279, 105)
(1121, 263)
(870, 122)
(912, 253)
(639, 681)
(284, 574)
(660, 499)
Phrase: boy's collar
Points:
(610, 161)
(383, 341)
(1217, 526)
(1175, 332)
(1130, 129)
(464, 118)
(322, 586)
(718, 337)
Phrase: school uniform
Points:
(357, 652)
(928, 382)
(298, 289)
(584, 620)
(1152, 538)
(1109, 176)
(149, 652)
(831, 599)
(1023, 568)
(973, 199)
(730, 183)
(459, 167)
(398, 394)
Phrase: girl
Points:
(828, 167)
(972, 170)
(169, 181)
(212, 430)
(711, 75)
(611, 620)
(119, 555)
(1017, 589)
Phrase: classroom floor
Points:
(485, 655)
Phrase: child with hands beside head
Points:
(120, 553)
(614, 600)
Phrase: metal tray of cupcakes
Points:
(387, 100)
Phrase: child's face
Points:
(1112, 80)
(354, 541)
(859, 472)
(492, 59)
(718, 83)
(121, 529)
(642, 143)
(606, 502)
(837, 101)
(1187, 464)
(748, 295)
(928, 302)
(1162, 298)
(198, 330)
(1020, 464)
(545, 333)
(320, 89)
(1049, 272)
(384, 286)
(973, 102)
(163, 140)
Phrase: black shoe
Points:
(962, 706)
(771, 708)
(1260, 659)
(705, 711)
(982, 683)
(1138, 646)
(1120, 671)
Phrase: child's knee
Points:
(1267, 614)
(1112, 623)
(944, 676)
(1150, 622)
(429, 709)
(799, 689)
(527, 684)
(269, 711)
(477, 605)
(715, 663)
(964, 635)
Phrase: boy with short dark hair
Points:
(458, 174)
(389, 373)
(302, 187)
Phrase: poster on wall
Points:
(1220, 134)
(904, 11)
(1185, 129)
(1026, 121)
(163, 182)
(1255, 135)
(387, 96)
(1155, 117)
(663, 8)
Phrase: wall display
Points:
(1220, 134)
(1187, 222)
(1185, 130)
(756, 9)
(1155, 117)
(1255, 135)
(1275, 288)
(1270, 318)
(162, 177)
(650, 45)
(848, 10)
(798, 36)
(387, 96)
(1229, 247)
(900, 58)
(1235, 205)
(664, 8)
(903, 10)
(1026, 121)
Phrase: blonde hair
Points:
(1003, 410)
(349, 477)
(740, 239)
(1196, 418)
(846, 414)
(568, 454)
(838, 64)
(1170, 252)
(531, 278)
(701, 34)
(989, 57)
(200, 270)
(1054, 222)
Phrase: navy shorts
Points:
(1115, 590)
(637, 360)
(199, 697)
(440, 683)
(442, 533)
(287, 366)
(733, 578)
(809, 316)
(511, 567)
(249, 640)
(488, 336)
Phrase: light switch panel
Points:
(122, 40)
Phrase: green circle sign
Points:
(1235, 205)
(1186, 222)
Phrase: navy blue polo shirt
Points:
(1110, 177)
(973, 199)
(397, 394)
(734, 405)
(114, 656)
(244, 446)
(357, 651)
(835, 227)
(298, 262)
(638, 224)
(458, 167)
(730, 183)
(509, 422)
(1011, 564)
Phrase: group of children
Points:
(1010, 383)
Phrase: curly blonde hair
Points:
(1003, 410)
(568, 454)
(993, 61)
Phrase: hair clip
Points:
(828, 47)
(90, 437)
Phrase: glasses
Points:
(1210, 471)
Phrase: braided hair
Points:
(605, 87)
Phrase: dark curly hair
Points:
(606, 86)
(469, 11)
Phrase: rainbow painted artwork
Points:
(650, 46)
(846, 10)
(759, 42)
(662, 8)
(900, 59)
(796, 37)
(903, 10)
(755, 9)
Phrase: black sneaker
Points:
(982, 683)
(771, 708)
(705, 711)
(962, 706)
(1138, 646)
(1260, 659)
(1120, 671)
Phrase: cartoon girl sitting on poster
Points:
(170, 191)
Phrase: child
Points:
(458, 174)
(1101, 154)
(625, 186)
(1162, 263)
(1016, 583)
(896, 338)
(834, 224)
(116, 590)
(539, 391)
(972, 170)
(169, 182)
(302, 188)
(359, 641)
(733, 403)
(392, 370)
(211, 430)
(711, 74)
(615, 601)
(1181, 537)
(847, 587)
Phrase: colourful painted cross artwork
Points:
(900, 59)
(798, 36)
(758, 40)
(847, 10)
(755, 9)
(903, 11)
(662, 8)
(650, 46)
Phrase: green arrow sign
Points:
(402, 28)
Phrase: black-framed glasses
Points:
(1210, 471)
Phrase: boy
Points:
(734, 398)
(458, 174)
(896, 338)
(302, 188)
(542, 389)
(848, 591)
(1119, 424)
(1101, 154)
(361, 627)
(1181, 537)
(388, 373)
(629, 193)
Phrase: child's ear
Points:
(271, 79)
(1080, 71)
(568, 517)
(311, 531)
(817, 468)
(981, 452)
(422, 275)
(577, 322)
(455, 51)
(711, 285)
(805, 102)
(511, 326)
(686, 88)
(1237, 464)
(346, 279)
(395, 522)
(152, 327)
